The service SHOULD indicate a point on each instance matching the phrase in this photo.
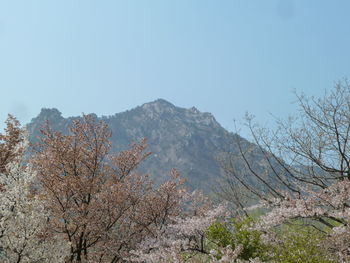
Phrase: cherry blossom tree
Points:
(184, 237)
(10, 142)
(96, 200)
(306, 170)
(22, 214)
(23, 220)
(76, 202)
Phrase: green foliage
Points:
(292, 244)
(300, 245)
(238, 232)
(219, 234)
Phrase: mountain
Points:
(185, 139)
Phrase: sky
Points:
(226, 57)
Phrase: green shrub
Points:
(293, 244)
(236, 233)
(300, 244)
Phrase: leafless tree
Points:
(309, 150)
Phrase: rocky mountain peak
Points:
(49, 113)
(162, 109)
(161, 103)
(182, 138)
(158, 106)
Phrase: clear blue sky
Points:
(224, 57)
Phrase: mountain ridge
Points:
(182, 138)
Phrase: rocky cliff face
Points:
(185, 139)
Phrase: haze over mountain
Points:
(185, 139)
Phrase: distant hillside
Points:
(185, 139)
